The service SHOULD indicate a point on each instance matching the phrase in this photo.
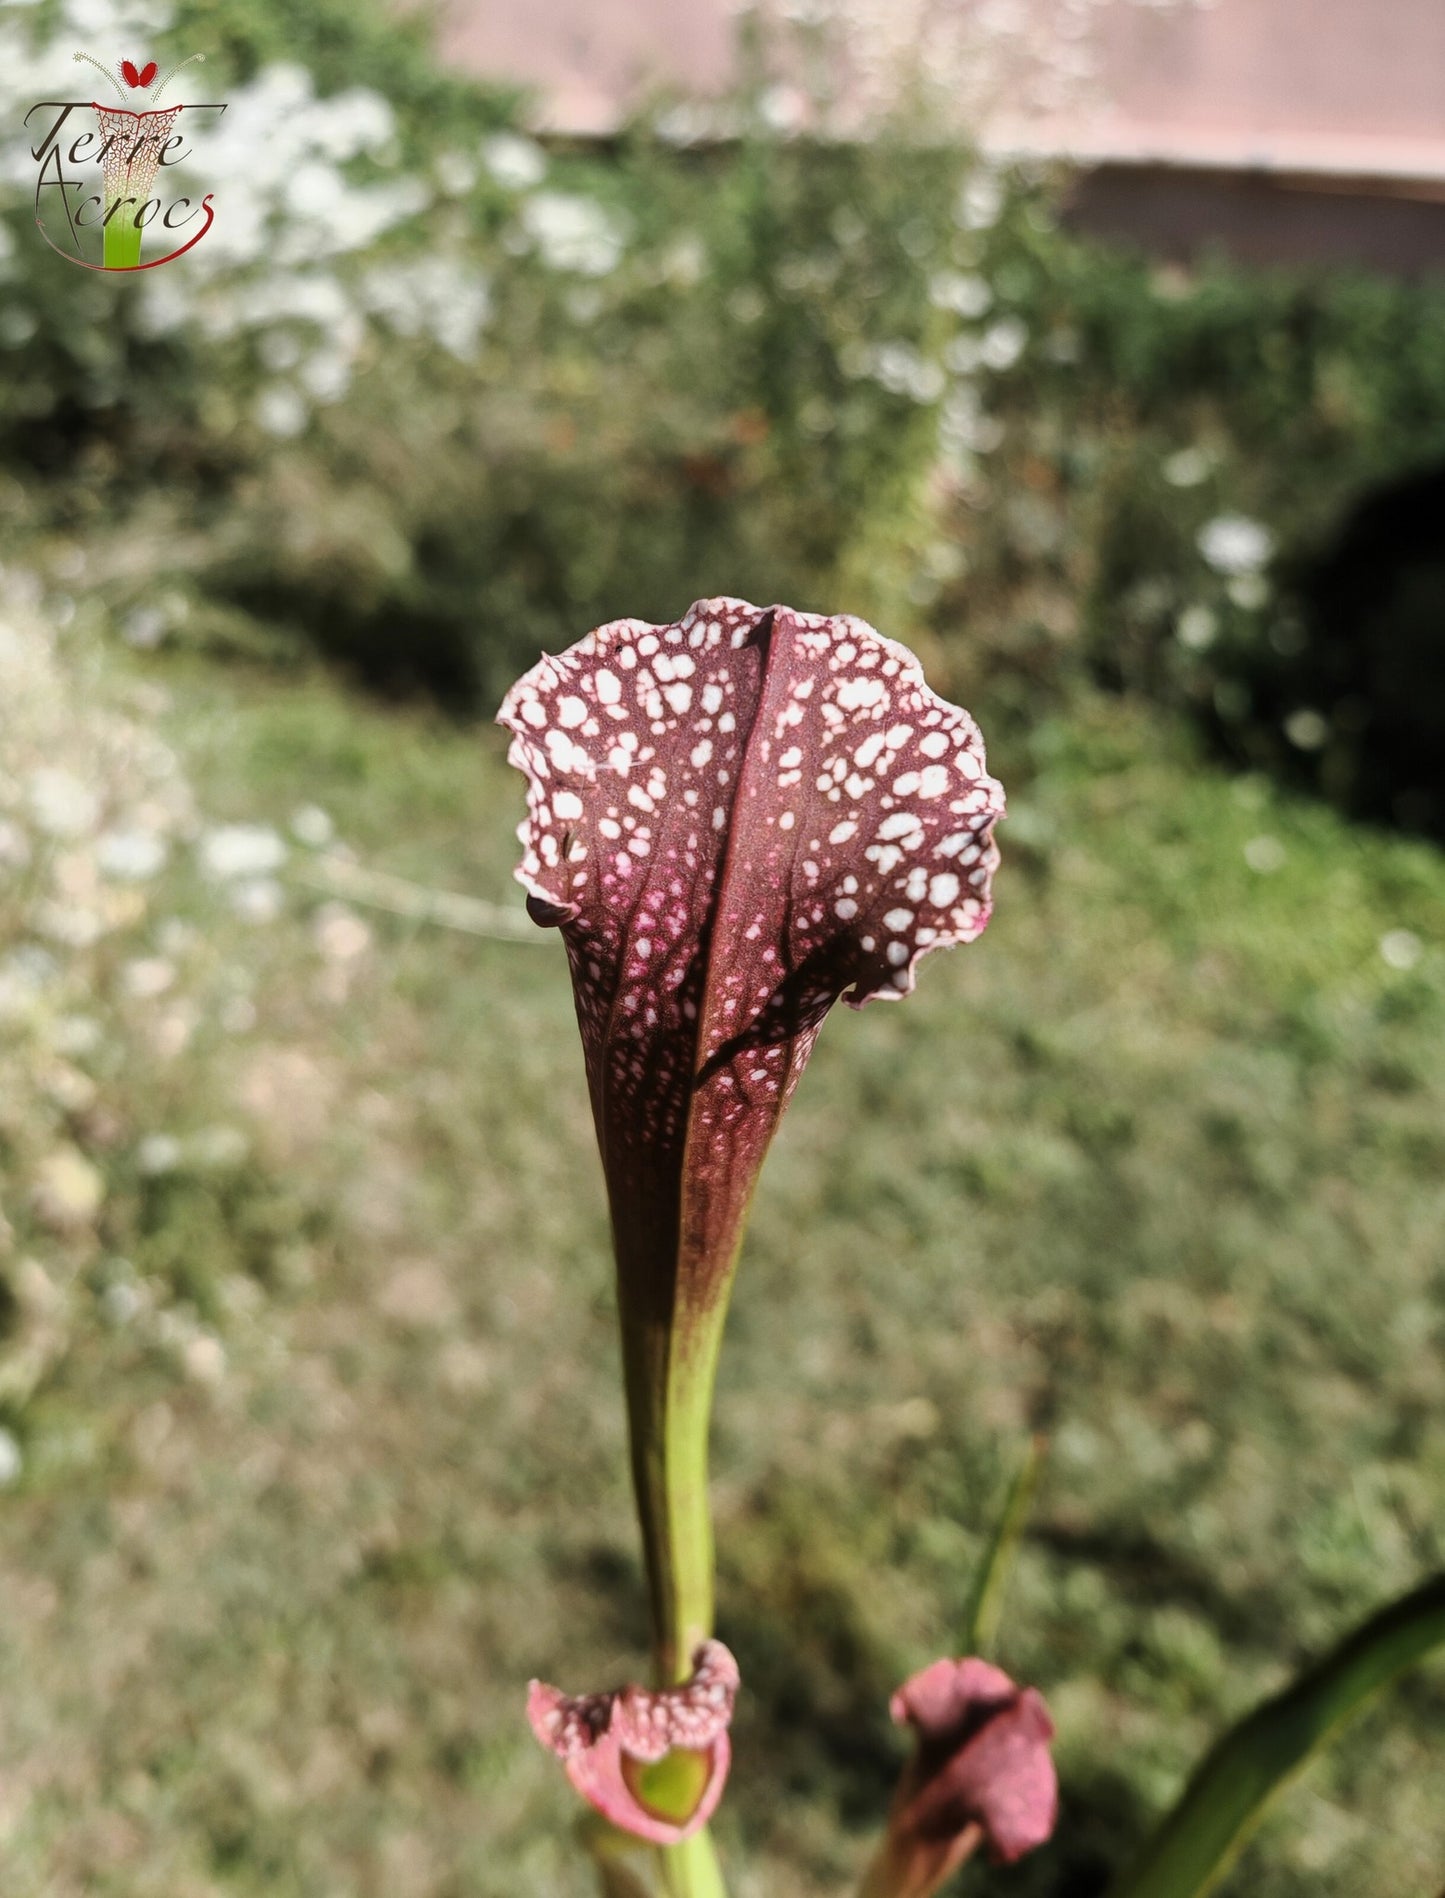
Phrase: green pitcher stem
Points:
(669, 1399)
(670, 1371)
(669, 1388)
(691, 1870)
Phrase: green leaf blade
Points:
(985, 1605)
(1199, 1839)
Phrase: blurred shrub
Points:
(1222, 488)
(132, 1195)
(433, 397)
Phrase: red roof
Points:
(1325, 87)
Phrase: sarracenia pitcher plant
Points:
(734, 821)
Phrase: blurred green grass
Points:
(1155, 1168)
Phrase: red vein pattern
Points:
(135, 143)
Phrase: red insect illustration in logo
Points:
(134, 145)
(138, 78)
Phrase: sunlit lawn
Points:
(1158, 1168)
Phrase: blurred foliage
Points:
(469, 396)
(1310, 408)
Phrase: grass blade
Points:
(1198, 1840)
(981, 1619)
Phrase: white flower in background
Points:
(158, 1154)
(437, 296)
(1265, 855)
(964, 428)
(148, 976)
(691, 122)
(684, 262)
(74, 925)
(1003, 342)
(1187, 467)
(242, 850)
(281, 410)
(350, 123)
(314, 190)
(121, 1302)
(144, 627)
(965, 294)
(1401, 948)
(312, 826)
(1197, 627)
(303, 296)
(163, 305)
(280, 350)
(36, 968)
(899, 368)
(1249, 590)
(130, 856)
(357, 218)
(456, 173)
(25, 975)
(62, 804)
(177, 937)
(341, 935)
(326, 375)
(783, 109)
(69, 1191)
(204, 1358)
(72, 1090)
(14, 845)
(1234, 544)
(12, 1463)
(17, 651)
(979, 202)
(1307, 729)
(116, 17)
(518, 164)
(747, 304)
(257, 899)
(574, 233)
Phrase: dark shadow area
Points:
(1264, 218)
(816, 1708)
(1142, 1568)
(400, 654)
(1350, 703)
